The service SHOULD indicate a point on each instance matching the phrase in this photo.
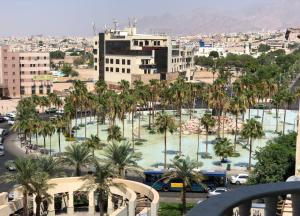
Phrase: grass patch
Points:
(236, 154)
(152, 131)
(70, 139)
(138, 143)
(172, 209)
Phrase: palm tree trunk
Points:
(78, 171)
(219, 123)
(206, 141)
(149, 110)
(81, 115)
(183, 199)
(165, 153)
(250, 154)
(198, 146)
(25, 204)
(38, 201)
(132, 130)
(249, 113)
(98, 125)
(276, 118)
(235, 132)
(139, 128)
(284, 119)
(100, 203)
(44, 142)
(180, 129)
(59, 149)
(85, 124)
(50, 145)
(123, 127)
(263, 116)
(223, 126)
(36, 139)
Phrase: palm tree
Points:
(208, 122)
(60, 125)
(185, 169)
(51, 131)
(238, 106)
(50, 165)
(100, 182)
(114, 134)
(154, 89)
(23, 176)
(288, 99)
(217, 99)
(44, 131)
(252, 130)
(224, 148)
(277, 100)
(122, 158)
(179, 93)
(94, 143)
(165, 123)
(78, 156)
(39, 186)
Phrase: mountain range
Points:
(269, 15)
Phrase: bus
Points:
(212, 179)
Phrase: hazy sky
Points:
(75, 17)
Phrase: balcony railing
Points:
(224, 205)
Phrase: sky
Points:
(75, 17)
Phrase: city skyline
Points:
(31, 17)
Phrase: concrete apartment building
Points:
(35, 73)
(24, 73)
(131, 56)
(9, 73)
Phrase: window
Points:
(146, 43)
(45, 65)
(154, 43)
(45, 58)
(107, 61)
(117, 69)
(128, 70)
(45, 72)
(107, 69)
(5, 73)
(145, 71)
(136, 43)
(111, 61)
(13, 65)
(128, 62)
(14, 88)
(111, 69)
(14, 73)
(96, 43)
(117, 61)
(5, 65)
(22, 90)
(48, 89)
(33, 90)
(95, 60)
(95, 67)
(141, 43)
(13, 80)
(123, 61)
(5, 58)
(123, 70)
(41, 89)
(158, 43)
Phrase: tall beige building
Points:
(35, 74)
(9, 73)
(24, 73)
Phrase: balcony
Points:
(239, 202)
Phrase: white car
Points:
(11, 195)
(11, 122)
(217, 191)
(239, 179)
(2, 152)
(11, 115)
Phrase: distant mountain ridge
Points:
(271, 15)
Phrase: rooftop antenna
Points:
(129, 22)
(115, 24)
(94, 28)
(134, 22)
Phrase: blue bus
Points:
(212, 179)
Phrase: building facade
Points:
(130, 56)
(36, 78)
(24, 73)
(9, 73)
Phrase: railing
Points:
(226, 204)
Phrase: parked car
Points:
(2, 152)
(3, 132)
(217, 191)
(239, 179)
(10, 165)
(60, 112)
(11, 115)
(2, 119)
(51, 110)
(11, 121)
